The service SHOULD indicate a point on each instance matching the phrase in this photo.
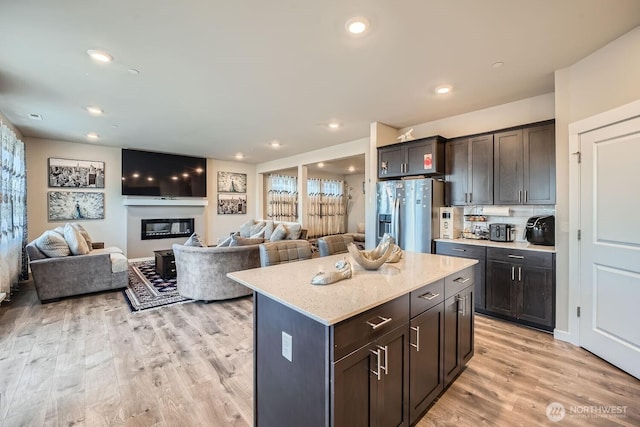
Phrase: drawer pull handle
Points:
(462, 279)
(417, 344)
(429, 296)
(516, 256)
(458, 249)
(375, 326)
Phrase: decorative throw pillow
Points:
(279, 233)
(60, 230)
(259, 234)
(256, 228)
(75, 240)
(84, 233)
(195, 240)
(244, 241)
(245, 229)
(293, 231)
(268, 229)
(52, 244)
(227, 241)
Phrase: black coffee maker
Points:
(541, 230)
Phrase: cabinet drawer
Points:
(523, 257)
(460, 250)
(353, 333)
(456, 282)
(426, 297)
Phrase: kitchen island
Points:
(375, 349)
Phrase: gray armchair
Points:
(284, 251)
(335, 244)
(202, 272)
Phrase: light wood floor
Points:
(89, 361)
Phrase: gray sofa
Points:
(57, 277)
(202, 271)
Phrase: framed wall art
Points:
(231, 182)
(229, 204)
(75, 205)
(75, 173)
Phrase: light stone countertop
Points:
(508, 245)
(290, 283)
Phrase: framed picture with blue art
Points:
(75, 205)
(232, 182)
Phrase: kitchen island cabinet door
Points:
(458, 333)
(355, 389)
(425, 360)
(371, 385)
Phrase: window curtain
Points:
(282, 198)
(13, 212)
(326, 210)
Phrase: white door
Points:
(610, 244)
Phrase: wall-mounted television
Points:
(147, 173)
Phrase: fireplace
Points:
(166, 228)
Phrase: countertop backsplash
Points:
(518, 216)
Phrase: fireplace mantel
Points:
(159, 201)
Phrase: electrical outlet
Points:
(287, 346)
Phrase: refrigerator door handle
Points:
(396, 220)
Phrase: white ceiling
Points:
(220, 77)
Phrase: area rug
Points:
(147, 289)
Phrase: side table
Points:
(165, 263)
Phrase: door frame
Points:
(615, 115)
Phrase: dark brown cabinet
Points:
(521, 286)
(418, 157)
(425, 360)
(469, 171)
(165, 263)
(458, 333)
(471, 252)
(373, 383)
(524, 166)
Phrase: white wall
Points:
(606, 79)
(356, 205)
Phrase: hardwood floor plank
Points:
(90, 361)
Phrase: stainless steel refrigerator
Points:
(408, 210)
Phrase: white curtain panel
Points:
(282, 198)
(326, 209)
(13, 196)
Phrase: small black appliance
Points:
(502, 232)
(541, 230)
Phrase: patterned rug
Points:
(147, 289)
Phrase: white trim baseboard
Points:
(565, 336)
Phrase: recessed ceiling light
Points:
(274, 144)
(96, 111)
(441, 90)
(321, 165)
(175, 178)
(35, 116)
(136, 175)
(100, 55)
(185, 175)
(150, 178)
(199, 170)
(92, 135)
(352, 168)
(239, 156)
(333, 125)
(357, 25)
(497, 64)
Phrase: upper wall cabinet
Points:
(525, 166)
(470, 171)
(418, 157)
